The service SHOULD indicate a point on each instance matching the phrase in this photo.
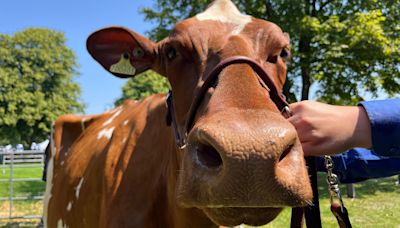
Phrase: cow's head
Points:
(243, 162)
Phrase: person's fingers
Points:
(307, 149)
(295, 106)
(294, 119)
(311, 150)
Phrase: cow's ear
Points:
(121, 51)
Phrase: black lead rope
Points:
(171, 121)
(312, 212)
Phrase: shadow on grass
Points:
(25, 188)
(363, 189)
(20, 224)
(32, 188)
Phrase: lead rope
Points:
(311, 213)
(338, 209)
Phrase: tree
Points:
(349, 49)
(142, 86)
(36, 84)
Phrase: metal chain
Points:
(333, 183)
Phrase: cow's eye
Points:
(171, 53)
(285, 54)
(138, 52)
(272, 59)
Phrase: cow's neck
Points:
(160, 158)
(182, 217)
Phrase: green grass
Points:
(21, 188)
(21, 171)
(377, 202)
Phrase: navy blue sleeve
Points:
(384, 116)
(359, 164)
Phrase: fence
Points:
(12, 161)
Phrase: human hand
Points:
(329, 129)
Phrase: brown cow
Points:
(242, 162)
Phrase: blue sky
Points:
(77, 19)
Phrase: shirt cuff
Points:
(384, 116)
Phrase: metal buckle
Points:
(333, 183)
(286, 112)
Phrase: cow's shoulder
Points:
(111, 138)
(67, 129)
(92, 133)
(91, 171)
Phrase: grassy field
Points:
(21, 188)
(377, 202)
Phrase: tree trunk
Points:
(304, 48)
(304, 51)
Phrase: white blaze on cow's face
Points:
(226, 12)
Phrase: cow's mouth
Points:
(233, 216)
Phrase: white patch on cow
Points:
(106, 132)
(62, 163)
(69, 206)
(112, 118)
(49, 178)
(78, 188)
(115, 109)
(126, 122)
(226, 12)
(61, 224)
(123, 140)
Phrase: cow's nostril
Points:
(286, 152)
(208, 156)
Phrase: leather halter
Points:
(276, 96)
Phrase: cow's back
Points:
(110, 175)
